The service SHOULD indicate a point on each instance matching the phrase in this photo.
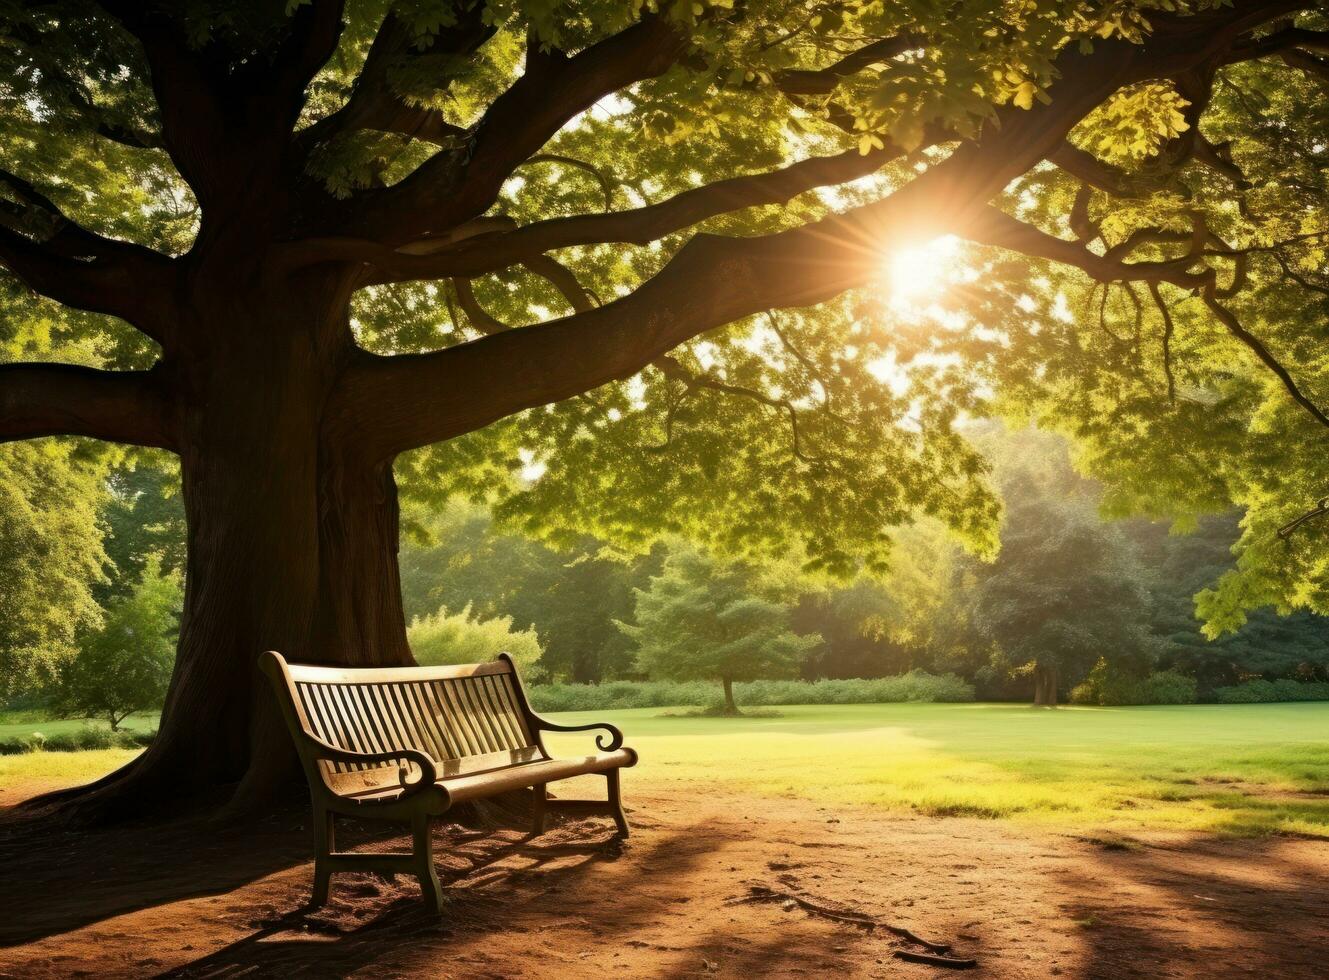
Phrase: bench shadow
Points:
(63, 879)
(401, 937)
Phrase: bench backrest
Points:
(468, 718)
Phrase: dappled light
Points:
(588, 488)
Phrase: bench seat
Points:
(409, 743)
(476, 786)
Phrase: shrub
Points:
(1106, 686)
(1264, 692)
(915, 686)
(81, 739)
(457, 638)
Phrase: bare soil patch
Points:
(189, 900)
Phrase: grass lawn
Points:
(19, 723)
(1242, 769)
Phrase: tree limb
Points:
(66, 399)
(418, 399)
(825, 80)
(487, 253)
(450, 188)
(373, 104)
(1233, 325)
(80, 268)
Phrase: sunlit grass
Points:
(24, 723)
(1239, 769)
(1243, 769)
(67, 767)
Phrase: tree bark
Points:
(292, 545)
(1045, 686)
(730, 706)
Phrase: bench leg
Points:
(325, 842)
(616, 802)
(423, 850)
(538, 797)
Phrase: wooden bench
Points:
(408, 743)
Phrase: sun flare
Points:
(919, 271)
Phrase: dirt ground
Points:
(189, 900)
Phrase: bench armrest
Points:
(615, 736)
(413, 757)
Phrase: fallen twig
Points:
(762, 893)
(932, 959)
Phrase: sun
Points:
(920, 271)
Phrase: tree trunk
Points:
(292, 546)
(1045, 686)
(730, 707)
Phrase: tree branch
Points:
(65, 399)
(825, 80)
(998, 228)
(418, 399)
(1233, 325)
(487, 253)
(80, 268)
(373, 104)
(451, 188)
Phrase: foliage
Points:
(463, 638)
(125, 666)
(701, 618)
(915, 686)
(1105, 686)
(1065, 590)
(1260, 691)
(144, 516)
(1268, 645)
(85, 739)
(52, 556)
(455, 556)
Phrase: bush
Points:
(1264, 692)
(915, 686)
(1106, 686)
(621, 694)
(456, 638)
(79, 740)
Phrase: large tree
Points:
(319, 236)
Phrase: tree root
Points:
(935, 959)
(936, 951)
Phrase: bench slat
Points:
(475, 715)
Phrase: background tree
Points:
(317, 237)
(464, 638)
(1267, 645)
(570, 596)
(125, 666)
(143, 518)
(51, 546)
(703, 619)
(1065, 590)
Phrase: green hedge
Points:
(1160, 687)
(915, 686)
(1263, 692)
(87, 737)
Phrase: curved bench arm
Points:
(615, 736)
(413, 757)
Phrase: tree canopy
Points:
(703, 619)
(734, 271)
(1182, 137)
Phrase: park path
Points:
(186, 901)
